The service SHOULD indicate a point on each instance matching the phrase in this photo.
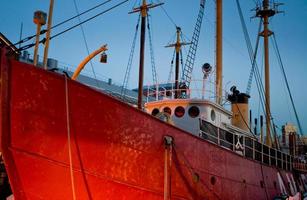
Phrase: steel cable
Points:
(68, 29)
(85, 42)
(65, 21)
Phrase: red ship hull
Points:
(117, 151)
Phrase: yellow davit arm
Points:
(86, 60)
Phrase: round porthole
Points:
(155, 111)
(212, 180)
(196, 177)
(167, 110)
(213, 115)
(193, 111)
(179, 111)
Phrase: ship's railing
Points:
(201, 89)
(249, 147)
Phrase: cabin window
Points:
(258, 150)
(284, 164)
(155, 111)
(273, 156)
(226, 139)
(167, 110)
(194, 111)
(179, 111)
(266, 154)
(212, 115)
(210, 131)
(288, 162)
(248, 147)
(279, 163)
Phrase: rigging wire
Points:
(286, 80)
(86, 44)
(181, 61)
(151, 49)
(168, 16)
(245, 122)
(128, 69)
(172, 67)
(285, 90)
(181, 54)
(261, 76)
(61, 23)
(72, 27)
(135, 2)
(255, 71)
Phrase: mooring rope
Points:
(69, 142)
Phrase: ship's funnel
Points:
(239, 108)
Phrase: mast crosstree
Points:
(177, 47)
(143, 9)
(265, 12)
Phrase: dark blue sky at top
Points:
(117, 28)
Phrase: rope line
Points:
(69, 142)
(245, 122)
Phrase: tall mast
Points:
(48, 34)
(177, 46)
(142, 52)
(219, 51)
(267, 73)
(265, 12)
(143, 9)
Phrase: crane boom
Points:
(188, 67)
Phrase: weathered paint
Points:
(117, 150)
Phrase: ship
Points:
(61, 139)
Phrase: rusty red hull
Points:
(117, 151)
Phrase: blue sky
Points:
(116, 29)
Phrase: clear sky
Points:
(117, 28)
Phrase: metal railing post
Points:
(269, 156)
(282, 160)
(233, 142)
(243, 143)
(253, 149)
(157, 92)
(276, 162)
(218, 136)
(261, 153)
